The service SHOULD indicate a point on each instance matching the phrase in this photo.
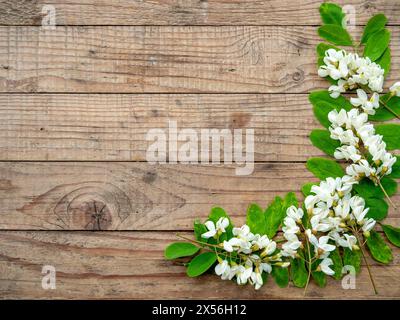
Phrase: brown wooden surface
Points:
(186, 12)
(233, 59)
(113, 127)
(137, 196)
(76, 103)
(130, 265)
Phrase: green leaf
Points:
(335, 34)
(274, 216)
(377, 44)
(375, 24)
(392, 233)
(322, 140)
(385, 60)
(323, 95)
(323, 103)
(367, 189)
(288, 201)
(319, 277)
(201, 264)
(298, 272)
(331, 14)
(256, 219)
(217, 213)
(380, 251)
(352, 258)
(337, 263)
(180, 249)
(281, 276)
(378, 208)
(324, 168)
(391, 135)
(383, 114)
(323, 47)
(396, 169)
(306, 188)
(199, 229)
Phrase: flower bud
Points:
(355, 247)
(263, 254)
(366, 234)
(219, 259)
(282, 264)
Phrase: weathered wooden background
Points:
(76, 102)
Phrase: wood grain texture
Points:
(164, 59)
(137, 196)
(130, 265)
(114, 127)
(186, 12)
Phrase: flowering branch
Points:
(336, 222)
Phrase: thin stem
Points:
(309, 267)
(197, 242)
(366, 263)
(388, 108)
(206, 244)
(386, 195)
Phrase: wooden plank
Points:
(137, 196)
(186, 12)
(114, 127)
(130, 265)
(164, 59)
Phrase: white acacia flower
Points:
(360, 169)
(256, 280)
(290, 226)
(236, 244)
(289, 248)
(295, 213)
(336, 90)
(368, 224)
(266, 267)
(223, 269)
(243, 233)
(214, 229)
(347, 153)
(243, 274)
(359, 213)
(263, 242)
(395, 89)
(325, 266)
(347, 241)
(367, 104)
(342, 209)
(319, 226)
(320, 244)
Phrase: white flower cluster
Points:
(333, 216)
(358, 138)
(351, 71)
(246, 255)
